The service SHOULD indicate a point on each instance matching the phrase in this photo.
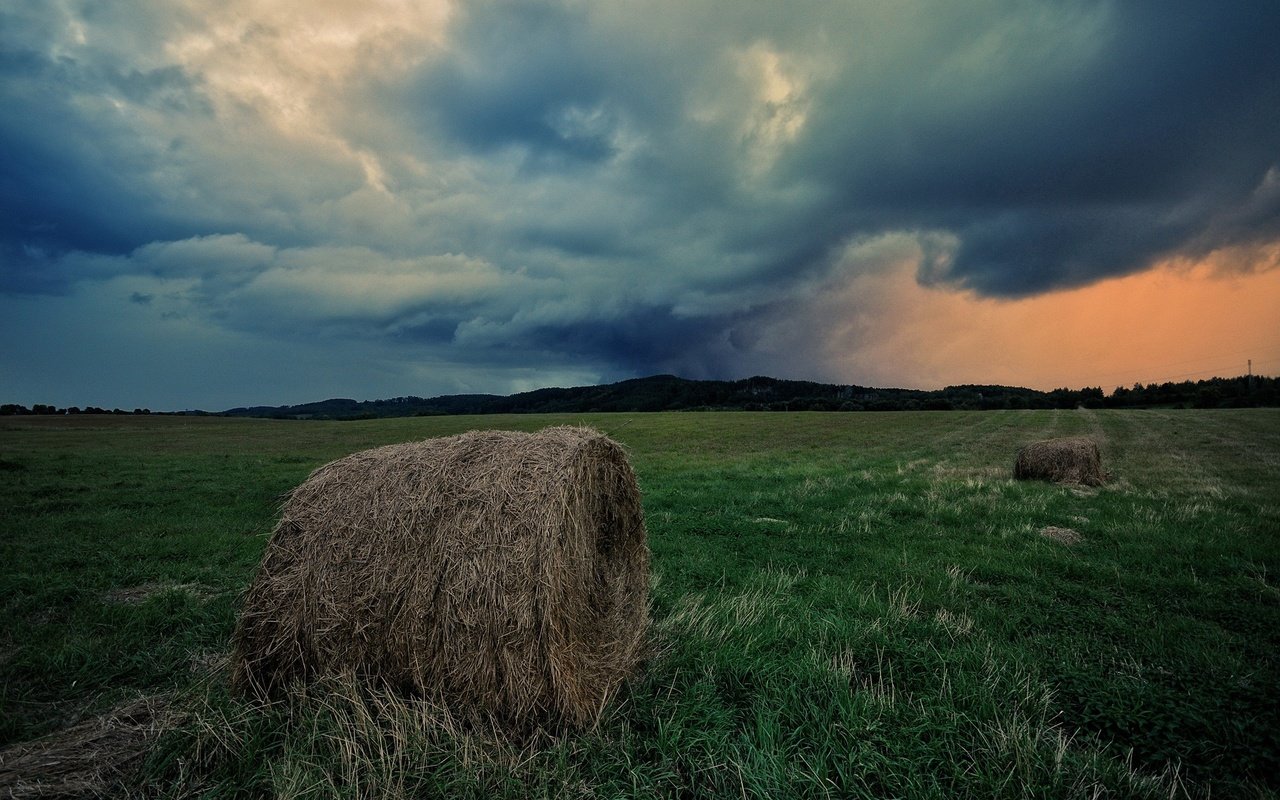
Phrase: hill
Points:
(671, 393)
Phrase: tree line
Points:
(13, 409)
(670, 393)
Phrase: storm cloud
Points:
(523, 193)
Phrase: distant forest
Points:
(669, 393)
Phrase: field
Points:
(844, 605)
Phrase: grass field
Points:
(844, 605)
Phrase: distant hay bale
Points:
(504, 573)
(1072, 459)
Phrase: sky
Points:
(213, 203)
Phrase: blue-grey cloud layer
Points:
(613, 189)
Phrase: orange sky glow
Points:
(1173, 322)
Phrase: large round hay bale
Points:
(504, 573)
(1069, 459)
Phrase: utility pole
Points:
(1251, 375)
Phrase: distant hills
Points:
(671, 393)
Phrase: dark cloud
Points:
(520, 78)
(628, 343)
(616, 188)
(1152, 139)
(74, 175)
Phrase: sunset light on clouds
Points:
(1112, 333)
(207, 204)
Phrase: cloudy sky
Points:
(208, 203)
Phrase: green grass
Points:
(845, 605)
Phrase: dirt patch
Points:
(89, 759)
(1064, 535)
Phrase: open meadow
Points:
(843, 605)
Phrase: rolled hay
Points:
(503, 573)
(1070, 459)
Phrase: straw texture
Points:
(1071, 459)
(504, 573)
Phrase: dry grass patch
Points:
(1064, 535)
(133, 595)
(93, 758)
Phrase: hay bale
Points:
(1072, 459)
(504, 573)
